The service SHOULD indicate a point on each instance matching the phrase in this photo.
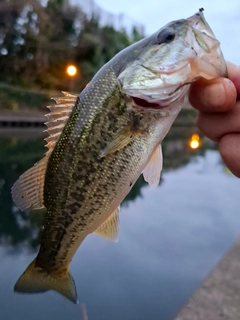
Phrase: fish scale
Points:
(92, 182)
(92, 167)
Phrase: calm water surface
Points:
(170, 237)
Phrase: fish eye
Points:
(166, 36)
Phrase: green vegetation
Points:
(37, 42)
(13, 98)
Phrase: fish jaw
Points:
(162, 74)
(208, 61)
(159, 83)
(164, 88)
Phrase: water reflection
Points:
(169, 238)
(20, 149)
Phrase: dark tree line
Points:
(37, 41)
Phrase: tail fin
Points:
(35, 280)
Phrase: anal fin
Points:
(109, 228)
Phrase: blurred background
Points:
(170, 237)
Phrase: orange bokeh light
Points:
(194, 142)
(71, 70)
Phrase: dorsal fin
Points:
(28, 190)
(57, 118)
(109, 228)
(152, 171)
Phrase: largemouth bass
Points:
(101, 140)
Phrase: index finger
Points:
(216, 95)
(234, 75)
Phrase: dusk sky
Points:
(223, 17)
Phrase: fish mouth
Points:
(158, 84)
(163, 88)
(210, 58)
(145, 102)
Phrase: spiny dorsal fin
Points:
(27, 192)
(57, 118)
(152, 171)
(109, 228)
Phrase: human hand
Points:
(219, 113)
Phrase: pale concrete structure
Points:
(218, 297)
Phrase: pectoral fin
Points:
(122, 138)
(109, 229)
(152, 171)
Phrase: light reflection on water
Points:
(169, 239)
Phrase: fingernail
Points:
(214, 95)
